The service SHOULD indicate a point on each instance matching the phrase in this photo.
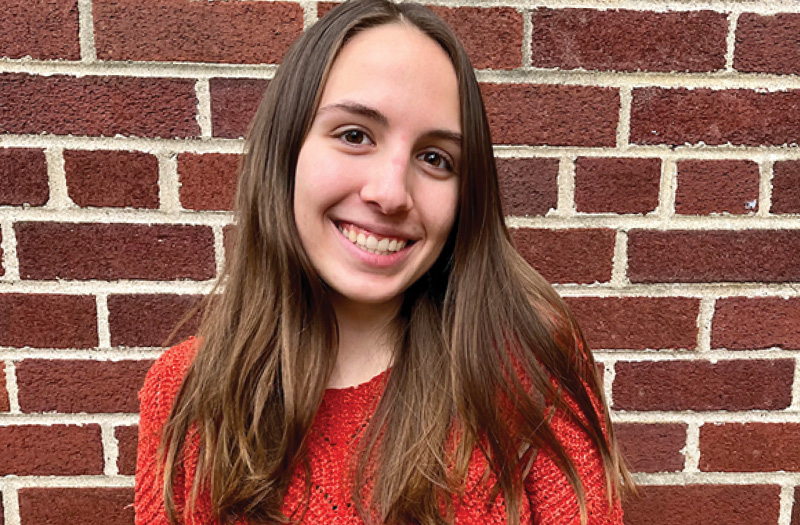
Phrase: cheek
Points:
(440, 204)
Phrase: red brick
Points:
(80, 385)
(652, 447)
(492, 36)
(750, 447)
(246, 32)
(704, 504)
(528, 186)
(616, 185)
(750, 323)
(714, 117)
(555, 115)
(48, 321)
(57, 450)
(709, 256)
(717, 186)
(208, 182)
(786, 187)
(23, 177)
(568, 256)
(107, 106)
(621, 40)
(127, 439)
(4, 404)
(40, 29)
(112, 178)
(637, 323)
(702, 385)
(234, 102)
(67, 506)
(767, 43)
(147, 320)
(114, 251)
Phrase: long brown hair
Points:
(481, 330)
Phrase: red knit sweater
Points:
(338, 424)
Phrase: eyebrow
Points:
(373, 114)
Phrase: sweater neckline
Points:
(370, 386)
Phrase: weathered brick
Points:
(57, 450)
(616, 185)
(701, 385)
(750, 447)
(568, 256)
(234, 102)
(85, 505)
(48, 321)
(730, 116)
(637, 323)
(528, 186)
(208, 181)
(112, 178)
(710, 256)
(4, 404)
(717, 186)
(114, 251)
(767, 43)
(555, 115)
(40, 29)
(786, 187)
(127, 439)
(106, 106)
(147, 320)
(182, 30)
(652, 447)
(492, 36)
(621, 40)
(749, 323)
(704, 504)
(23, 177)
(80, 385)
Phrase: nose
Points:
(387, 187)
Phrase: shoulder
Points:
(164, 379)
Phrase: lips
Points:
(370, 241)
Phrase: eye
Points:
(437, 160)
(355, 137)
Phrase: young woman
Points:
(379, 353)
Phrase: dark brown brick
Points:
(114, 251)
(48, 321)
(492, 36)
(234, 102)
(208, 181)
(709, 256)
(704, 504)
(528, 186)
(554, 115)
(127, 440)
(621, 40)
(749, 323)
(67, 506)
(112, 178)
(4, 404)
(637, 323)
(57, 450)
(717, 186)
(183, 30)
(731, 116)
(767, 43)
(23, 177)
(80, 385)
(786, 187)
(568, 256)
(616, 185)
(700, 385)
(40, 29)
(147, 320)
(105, 106)
(750, 447)
(652, 447)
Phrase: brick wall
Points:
(649, 165)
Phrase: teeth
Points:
(372, 244)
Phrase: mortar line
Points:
(86, 31)
(9, 247)
(103, 325)
(730, 40)
(766, 171)
(203, 92)
(704, 320)
(11, 506)
(795, 404)
(609, 374)
(57, 180)
(527, 36)
(11, 387)
(110, 449)
(624, 124)
(619, 264)
(692, 448)
(787, 500)
(310, 14)
(668, 187)
(219, 248)
(565, 206)
(168, 183)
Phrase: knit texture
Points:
(339, 423)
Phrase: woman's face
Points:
(376, 187)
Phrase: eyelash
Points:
(448, 162)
